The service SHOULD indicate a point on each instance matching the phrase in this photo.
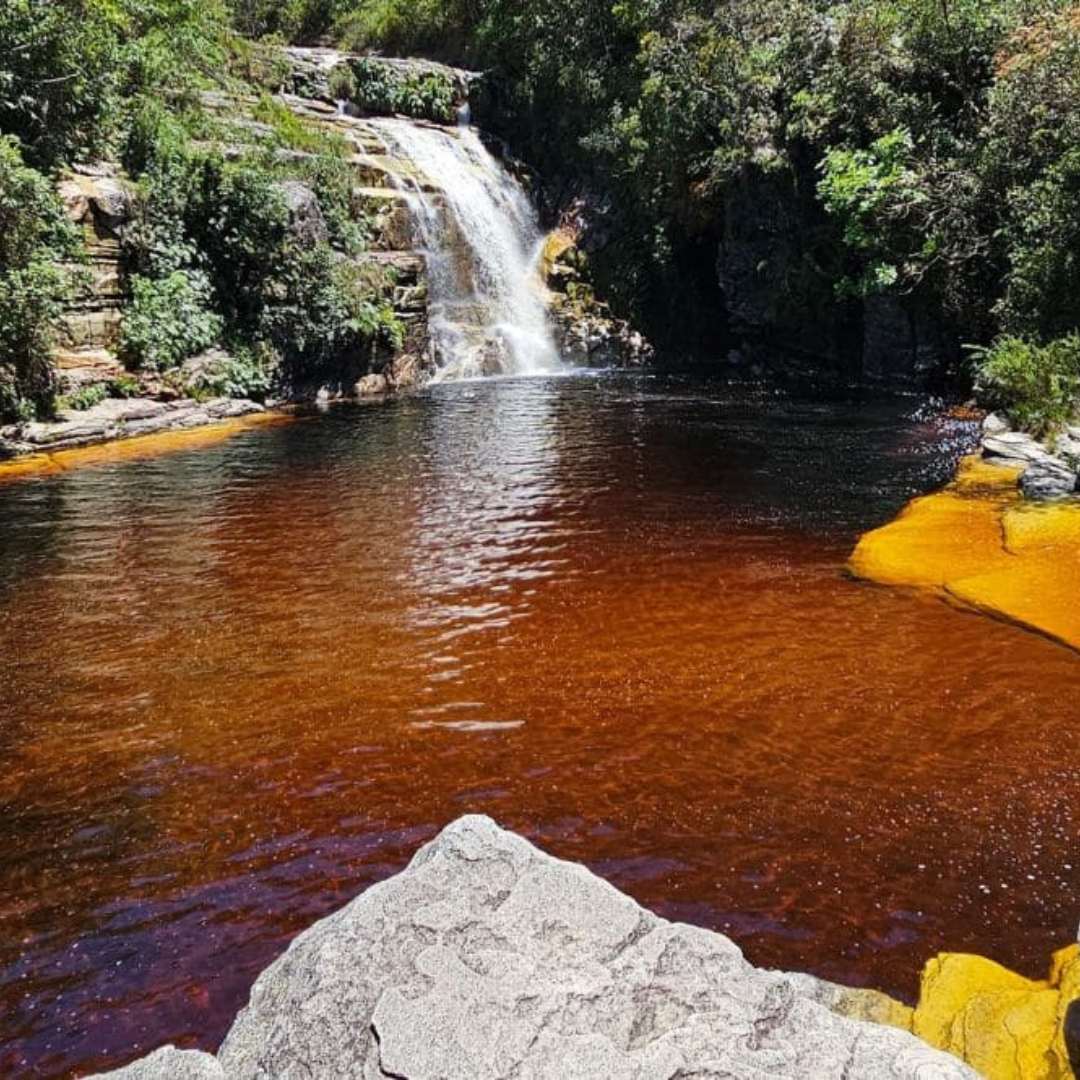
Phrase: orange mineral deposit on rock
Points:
(136, 447)
(977, 543)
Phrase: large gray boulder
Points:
(1045, 475)
(487, 958)
(306, 222)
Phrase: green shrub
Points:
(239, 223)
(290, 20)
(248, 372)
(124, 386)
(61, 70)
(85, 398)
(1031, 164)
(324, 308)
(383, 88)
(168, 320)
(263, 63)
(296, 134)
(69, 69)
(407, 27)
(342, 83)
(865, 189)
(36, 241)
(332, 179)
(1036, 386)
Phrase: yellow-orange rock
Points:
(979, 544)
(1005, 1026)
(556, 244)
(1000, 1023)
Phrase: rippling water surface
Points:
(240, 684)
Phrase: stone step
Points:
(405, 262)
(383, 171)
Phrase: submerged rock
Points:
(489, 958)
(371, 385)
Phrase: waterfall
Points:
(479, 233)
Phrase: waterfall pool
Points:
(239, 684)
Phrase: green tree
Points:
(37, 243)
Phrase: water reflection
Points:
(239, 685)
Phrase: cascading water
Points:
(479, 233)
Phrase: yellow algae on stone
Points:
(949, 981)
(997, 1021)
(1041, 527)
(1037, 591)
(979, 544)
(31, 465)
(1005, 1026)
(1064, 970)
(953, 533)
(977, 476)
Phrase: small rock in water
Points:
(371, 385)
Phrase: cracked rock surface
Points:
(487, 958)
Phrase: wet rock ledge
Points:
(487, 958)
(1048, 468)
(118, 418)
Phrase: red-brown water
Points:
(240, 684)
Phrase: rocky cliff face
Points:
(585, 328)
(333, 93)
(774, 243)
(487, 958)
(99, 202)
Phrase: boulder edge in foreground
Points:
(488, 958)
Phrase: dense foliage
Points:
(36, 241)
(927, 150)
(1038, 384)
(169, 319)
(213, 255)
(378, 88)
(216, 243)
(920, 152)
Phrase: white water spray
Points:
(479, 233)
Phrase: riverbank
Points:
(115, 430)
(980, 544)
